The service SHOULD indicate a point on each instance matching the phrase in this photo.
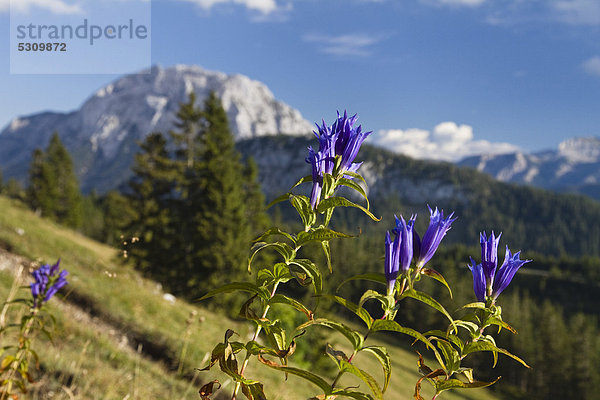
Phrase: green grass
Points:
(116, 337)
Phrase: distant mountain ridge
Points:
(102, 135)
(573, 167)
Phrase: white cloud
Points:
(345, 45)
(262, 6)
(448, 142)
(58, 7)
(592, 66)
(577, 12)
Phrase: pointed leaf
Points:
(343, 202)
(427, 299)
(318, 235)
(261, 291)
(458, 384)
(364, 376)
(282, 299)
(393, 326)
(352, 336)
(383, 356)
(375, 277)
(273, 232)
(487, 346)
(287, 252)
(356, 309)
(386, 301)
(279, 199)
(312, 271)
(352, 394)
(307, 375)
(432, 273)
(353, 185)
(304, 209)
(327, 251)
(355, 175)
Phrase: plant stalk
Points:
(256, 333)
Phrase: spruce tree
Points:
(53, 189)
(41, 192)
(150, 194)
(64, 184)
(222, 228)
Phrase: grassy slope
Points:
(117, 338)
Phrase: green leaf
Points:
(352, 336)
(487, 346)
(393, 326)
(450, 354)
(307, 178)
(307, 375)
(432, 273)
(355, 175)
(353, 185)
(479, 305)
(356, 309)
(501, 324)
(319, 234)
(383, 356)
(440, 386)
(343, 202)
(445, 335)
(327, 251)
(469, 326)
(272, 232)
(282, 299)
(305, 210)
(364, 376)
(309, 268)
(279, 199)
(287, 252)
(336, 355)
(427, 299)
(352, 394)
(374, 277)
(261, 291)
(386, 301)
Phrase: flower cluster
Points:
(407, 243)
(488, 279)
(338, 147)
(48, 281)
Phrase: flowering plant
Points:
(14, 367)
(405, 263)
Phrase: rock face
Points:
(102, 135)
(573, 167)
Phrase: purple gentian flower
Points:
(507, 271)
(493, 281)
(478, 280)
(404, 232)
(341, 139)
(47, 281)
(438, 227)
(489, 256)
(392, 264)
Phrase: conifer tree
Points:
(222, 226)
(53, 188)
(151, 191)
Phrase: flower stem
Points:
(254, 337)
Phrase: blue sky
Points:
(427, 76)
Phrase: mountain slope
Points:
(573, 167)
(532, 219)
(118, 336)
(103, 133)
